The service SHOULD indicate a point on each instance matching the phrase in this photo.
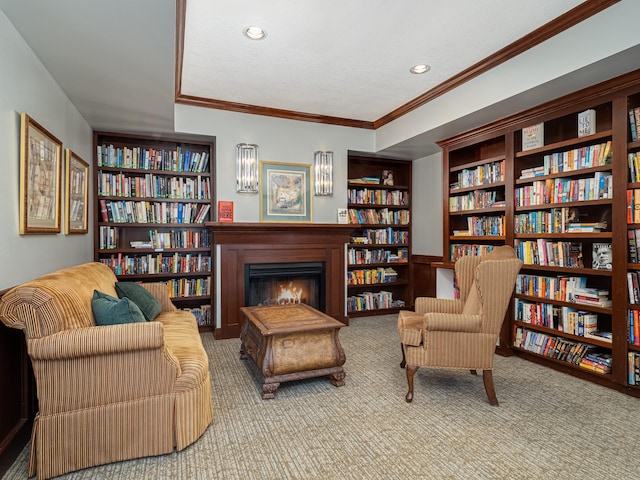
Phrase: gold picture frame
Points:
(76, 194)
(285, 192)
(40, 178)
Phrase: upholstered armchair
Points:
(462, 333)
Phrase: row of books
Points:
(634, 123)
(378, 197)
(381, 216)
(634, 368)
(178, 160)
(154, 264)
(633, 237)
(366, 256)
(365, 180)
(549, 253)
(561, 318)
(634, 326)
(634, 166)
(633, 205)
(475, 200)
(457, 250)
(565, 350)
(562, 190)
(572, 160)
(372, 301)
(481, 175)
(555, 220)
(179, 239)
(382, 236)
(127, 211)
(552, 288)
(202, 314)
(633, 286)
(372, 276)
(189, 287)
(483, 226)
(153, 186)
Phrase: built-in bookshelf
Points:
(378, 254)
(569, 208)
(152, 197)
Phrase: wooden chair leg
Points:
(403, 363)
(487, 377)
(411, 371)
(473, 372)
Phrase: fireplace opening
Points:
(285, 283)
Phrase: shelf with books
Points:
(564, 189)
(378, 254)
(153, 195)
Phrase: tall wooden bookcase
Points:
(152, 197)
(378, 255)
(541, 190)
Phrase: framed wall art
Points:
(285, 192)
(40, 178)
(76, 193)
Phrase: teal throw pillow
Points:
(108, 310)
(139, 295)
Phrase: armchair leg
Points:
(473, 372)
(403, 363)
(487, 378)
(411, 371)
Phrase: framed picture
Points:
(40, 178)
(387, 177)
(77, 194)
(285, 192)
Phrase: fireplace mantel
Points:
(236, 244)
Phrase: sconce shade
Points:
(323, 173)
(246, 168)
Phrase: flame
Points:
(289, 295)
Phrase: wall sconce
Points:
(323, 173)
(246, 168)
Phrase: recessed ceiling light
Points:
(421, 68)
(254, 33)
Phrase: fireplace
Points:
(236, 245)
(285, 283)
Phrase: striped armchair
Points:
(461, 333)
(107, 393)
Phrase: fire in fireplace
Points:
(285, 283)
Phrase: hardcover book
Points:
(225, 211)
(533, 137)
(602, 256)
(587, 123)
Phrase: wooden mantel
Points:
(237, 244)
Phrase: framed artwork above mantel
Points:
(285, 192)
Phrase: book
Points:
(225, 211)
(533, 137)
(601, 256)
(587, 123)
(343, 216)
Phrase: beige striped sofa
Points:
(107, 393)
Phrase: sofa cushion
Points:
(108, 310)
(150, 307)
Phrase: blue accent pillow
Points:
(139, 295)
(108, 310)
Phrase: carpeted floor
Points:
(549, 425)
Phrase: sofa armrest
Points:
(446, 322)
(82, 342)
(441, 305)
(160, 292)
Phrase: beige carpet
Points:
(548, 425)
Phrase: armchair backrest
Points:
(486, 283)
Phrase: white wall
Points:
(278, 140)
(25, 85)
(426, 208)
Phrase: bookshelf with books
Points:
(152, 197)
(378, 255)
(570, 212)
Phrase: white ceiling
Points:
(348, 59)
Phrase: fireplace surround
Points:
(237, 245)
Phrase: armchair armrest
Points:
(446, 322)
(439, 305)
